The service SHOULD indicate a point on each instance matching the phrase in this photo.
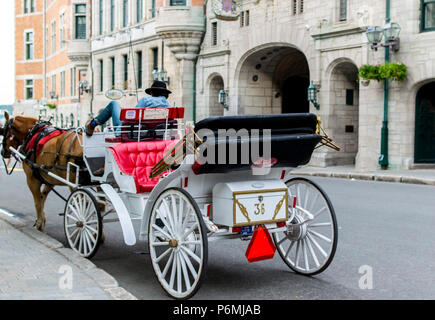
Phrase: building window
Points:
(139, 69)
(112, 15)
(29, 89)
(155, 58)
(112, 64)
(28, 6)
(80, 21)
(62, 84)
(100, 18)
(124, 13)
(214, 33)
(244, 18)
(343, 10)
(53, 85)
(62, 30)
(73, 91)
(53, 37)
(139, 10)
(125, 59)
(295, 7)
(29, 45)
(178, 2)
(101, 76)
(153, 8)
(428, 15)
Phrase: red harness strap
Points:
(42, 141)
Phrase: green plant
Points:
(393, 71)
(369, 72)
(51, 106)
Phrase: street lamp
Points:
(223, 98)
(391, 33)
(312, 95)
(161, 75)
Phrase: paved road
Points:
(387, 226)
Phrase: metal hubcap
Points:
(295, 231)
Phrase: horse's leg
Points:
(44, 194)
(35, 188)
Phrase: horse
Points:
(54, 156)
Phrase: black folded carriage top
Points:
(293, 139)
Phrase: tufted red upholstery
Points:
(138, 158)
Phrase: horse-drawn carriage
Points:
(152, 169)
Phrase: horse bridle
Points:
(9, 126)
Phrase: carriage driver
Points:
(158, 92)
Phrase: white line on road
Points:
(7, 213)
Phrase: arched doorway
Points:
(344, 102)
(216, 85)
(274, 79)
(424, 151)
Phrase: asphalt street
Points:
(388, 227)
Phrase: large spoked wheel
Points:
(177, 241)
(309, 243)
(82, 223)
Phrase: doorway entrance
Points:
(425, 125)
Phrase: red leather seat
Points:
(138, 158)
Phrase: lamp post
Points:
(391, 33)
(312, 95)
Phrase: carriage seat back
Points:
(138, 158)
(151, 122)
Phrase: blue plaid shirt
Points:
(148, 102)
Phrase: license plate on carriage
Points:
(250, 207)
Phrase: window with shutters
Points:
(125, 58)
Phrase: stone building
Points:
(264, 54)
(52, 55)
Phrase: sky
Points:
(7, 56)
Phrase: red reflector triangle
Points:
(261, 246)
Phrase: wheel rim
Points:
(177, 244)
(309, 247)
(82, 224)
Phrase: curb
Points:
(367, 177)
(101, 277)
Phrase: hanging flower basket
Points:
(51, 105)
(392, 71)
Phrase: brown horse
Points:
(67, 145)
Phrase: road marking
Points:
(7, 213)
(16, 169)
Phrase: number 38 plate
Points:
(253, 207)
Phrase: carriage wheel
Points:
(308, 248)
(82, 223)
(177, 241)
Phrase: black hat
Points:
(158, 86)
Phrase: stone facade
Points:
(264, 60)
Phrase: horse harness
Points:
(41, 133)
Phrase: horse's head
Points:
(14, 132)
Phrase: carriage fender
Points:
(123, 215)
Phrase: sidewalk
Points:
(36, 267)
(416, 176)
